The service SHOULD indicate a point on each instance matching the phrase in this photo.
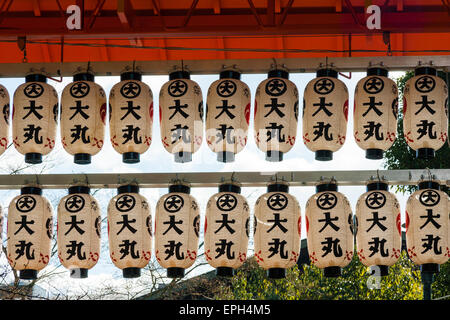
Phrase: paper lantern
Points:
(181, 116)
(378, 227)
(325, 113)
(276, 115)
(131, 116)
(78, 233)
(427, 226)
(83, 112)
(226, 229)
(4, 119)
(29, 232)
(227, 115)
(277, 230)
(425, 120)
(177, 227)
(34, 118)
(329, 229)
(129, 231)
(375, 113)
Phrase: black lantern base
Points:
(79, 273)
(276, 273)
(324, 155)
(33, 158)
(183, 156)
(175, 272)
(430, 268)
(131, 273)
(225, 156)
(82, 158)
(28, 274)
(131, 157)
(374, 154)
(224, 272)
(383, 270)
(274, 156)
(425, 153)
(332, 272)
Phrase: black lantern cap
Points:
(425, 71)
(128, 188)
(374, 154)
(327, 73)
(326, 186)
(28, 274)
(429, 185)
(278, 187)
(229, 187)
(225, 156)
(131, 75)
(332, 272)
(224, 272)
(175, 272)
(425, 153)
(79, 189)
(33, 158)
(276, 273)
(324, 155)
(31, 190)
(84, 76)
(430, 268)
(82, 158)
(131, 157)
(274, 156)
(373, 186)
(79, 273)
(36, 77)
(179, 75)
(179, 188)
(183, 157)
(230, 74)
(278, 73)
(377, 71)
(131, 273)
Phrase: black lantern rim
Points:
(131, 75)
(230, 74)
(229, 187)
(128, 188)
(79, 189)
(179, 75)
(381, 186)
(429, 185)
(431, 71)
(278, 187)
(31, 190)
(327, 72)
(326, 186)
(36, 77)
(179, 188)
(278, 73)
(83, 76)
(377, 71)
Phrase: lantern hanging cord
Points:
(175, 48)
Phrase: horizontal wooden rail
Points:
(213, 179)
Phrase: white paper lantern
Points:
(325, 114)
(227, 115)
(4, 119)
(276, 115)
(375, 113)
(425, 114)
(277, 230)
(181, 116)
(427, 226)
(177, 227)
(29, 232)
(378, 228)
(129, 231)
(226, 229)
(131, 116)
(329, 228)
(78, 233)
(34, 118)
(83, 113)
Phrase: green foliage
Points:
(308, 283)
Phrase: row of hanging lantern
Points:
(325, 114)
(330, 225)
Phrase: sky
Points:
(157, 159)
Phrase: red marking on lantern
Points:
(356, 136)
(361, 255)
(341, 139)
(103, 112)
(408, 138)
(243, 256)
(345, 108)
(348, 255)
(97, 143)
(113, 141)
(94, 256)
(411, 252)
(160, 115)
(157, 255)
(299, 225)
(164, 142)
(307, 224)
(398, 223)
(15, 142)
(192, 255)
(198, 140)
(207, 255)
(404, 105)
(148, 140)
(147, 255)
(291, 140)
(150, 110)
(247, 113)
(443, 136)
(447, 254)
(206, 224)
(407, 222)
(258, 257)
(4, 142)
(395, 253)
